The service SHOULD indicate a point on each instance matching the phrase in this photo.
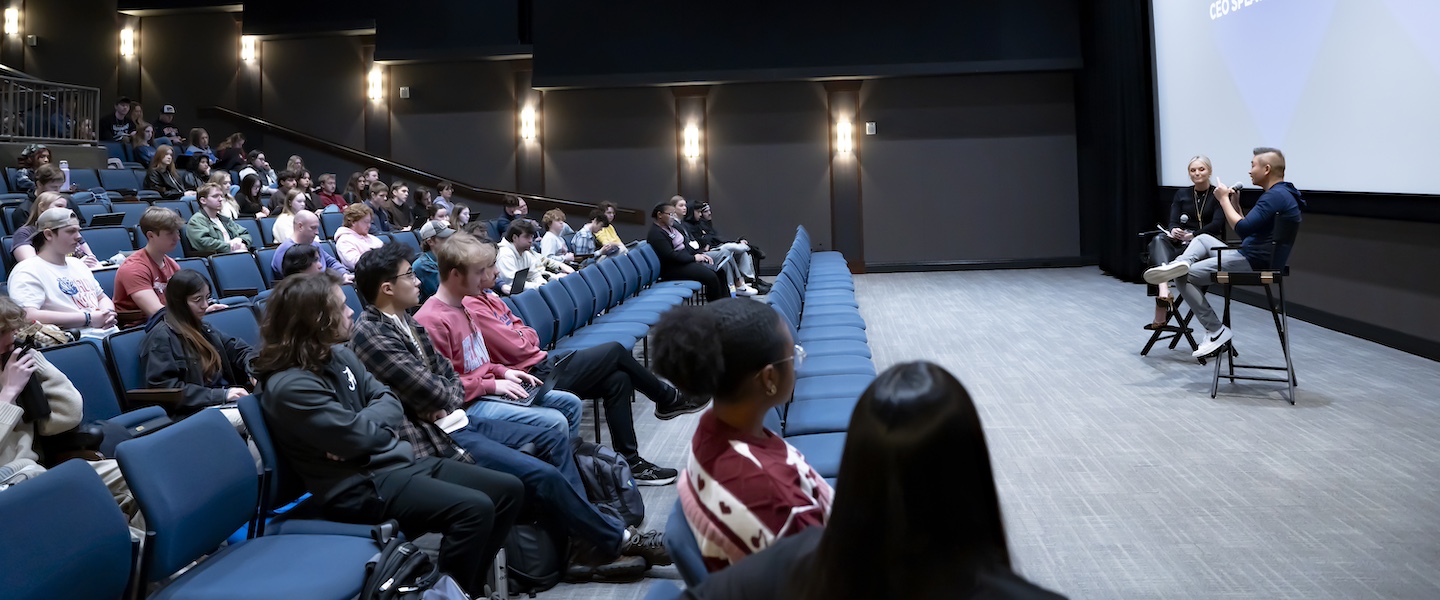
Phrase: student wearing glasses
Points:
(182, 351)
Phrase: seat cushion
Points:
(822, 451)
(837, 348)
(831, 320)
(829, 416)
(830, 387)
(819, 366)
(630, 328)
(817, 309)
(815, 335)
(318, 567)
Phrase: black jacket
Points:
(670, 258)
(249, 207)
(1205, 216)
(169, 186)
(342, 411)
(168, 365)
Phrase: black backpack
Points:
(534, 558)
(401, 571)
(608, 481)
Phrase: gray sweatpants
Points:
(1203, 261)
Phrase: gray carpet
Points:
(1121, 478)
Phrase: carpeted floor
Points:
(1121, 478)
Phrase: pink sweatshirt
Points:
(508, 339)
(458, 337)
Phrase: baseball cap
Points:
(434, 228)
(168, 109)
(56, 218)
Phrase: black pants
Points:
(610, 372)
(472, 507)
(1162, 249)
(714, 289)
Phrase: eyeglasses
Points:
(798, 357)
(410, 273)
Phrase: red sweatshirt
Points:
(457, 336)
(508, 339)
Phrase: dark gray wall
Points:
(190, 61)
(316, 86)
(769, 162)
(79, 43)
(616, 145)
(969, 168)
(459, 121)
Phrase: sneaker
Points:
(648, 473)
(625, 568)
(1213, 342)
(683, 404)
(746, 291)
(1166, 272)
(649, 546)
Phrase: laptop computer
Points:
(535, 392)
(517, 284)
(107, 219)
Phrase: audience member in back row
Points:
(37, 399)
(460, 217)
(553, 245)
(248, 198)
(904, 525)
(336, 425)
(583, 242)
(198, 143)
(606, 235)
(747, 255)
(182, 351)
(420, 205)
(21, 243)
(209, 232)
(729, 271)
(55, 287)
(115, 126)
(379, 203)
(517, 252)
(199, 173)
(397, 210)
(327, 195)
(353, 238)
(261, 170)
(398, 352)
(162, 176)
(427, 270)
(679, 260)
(307, 229)
(290, 205)
(142, 143)
(230, 154)
(745, 487)
(443, 191)
(140, 282)
(515, 209)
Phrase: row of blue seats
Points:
(815, 296)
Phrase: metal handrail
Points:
(45, 111)
(390, 167)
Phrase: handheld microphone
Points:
(1238, 186)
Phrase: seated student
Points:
(353, 238)
(230, 154)
(305, 233)
(467, 268)
(162, 176)
(307, 193)
(47, 178)
(31, 158)
(140, 282)
(678, 260)
(56, 288)
(460, 217)
(729, 270)
(142, 143)
(355, 189)
(422, 207)
(248, 198)
(553, 245)
(515, 210)
(21, 247)
(199, 173)
(432, 237)
(181, 351)
(397, 210)
(291, 203)
(606, 235)
(904, 524)
(229, 206)
(397, 350)
(327, 195)
(336, 425)
(1193, 269)
(607, 371)
(261, 170)
(23, 421)
(198, 144)
(517, 252)
(379, 203)
(746, 255)
(209, 232)
(584, 241)
(443, 191)
(742, 353)
(114, 127)
(300, 260)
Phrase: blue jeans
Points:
(557, 410)
(551, 479)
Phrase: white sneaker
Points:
(746, 290)
(1213, 342)
(1166, 272)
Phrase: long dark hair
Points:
(917, 515)
(685, 342)
(184, 284)
(302, 321)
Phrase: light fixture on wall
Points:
(12, 21)
(247, 48)
(692, 142)
(373, 83)
(127, 42)
(527, 124)
(844, 136)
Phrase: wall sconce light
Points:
(127, 42)
(12, 21)
(527, 124)
(247, 48)
(844, 136)
(373, 87)
(692, 142)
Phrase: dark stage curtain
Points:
(1115, 131)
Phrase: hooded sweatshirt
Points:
(1281, 201)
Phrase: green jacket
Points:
(205, 238)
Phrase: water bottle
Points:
(65, 168)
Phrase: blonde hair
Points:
(289, 202)
(45, 201)
(463, 251)
(1204, 160)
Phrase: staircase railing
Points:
(45, 111)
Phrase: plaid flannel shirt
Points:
(583, 242)
(423, 380)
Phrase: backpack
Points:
(401, 571)
(608, 481)
(535, 559)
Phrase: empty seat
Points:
(84, 178)
(105, 242)
(236, 274)
(119, 180)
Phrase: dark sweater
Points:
(670, 258)
(1281, 201)
(168, 365)
(1204, 217)
(342, 411)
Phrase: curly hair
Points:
(303, 319)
